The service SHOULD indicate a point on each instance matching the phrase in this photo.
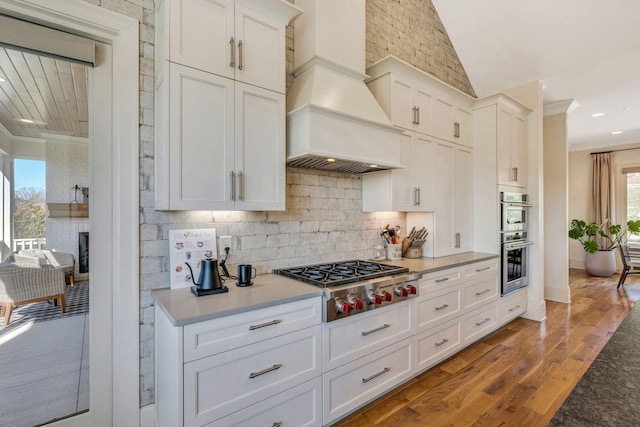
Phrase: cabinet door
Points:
(259, 149)
(260, 50)
(201, 140)
(423, 171)
(443, 179)
(463, 199)
(505, 175)
(200, 35)
(402, 113)
(402, 179)
(519, 150)
(463, 127)
(443, 118)
(424, 112)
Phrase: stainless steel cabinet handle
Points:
(419, 197)
(482, 322)
(240, 186)
(482, 269)
(456, 130)
(384, 371)
(444, 279)
(457, 240)
(240, 55)
(514, 172)
(414, 120)
(418, 115)
(443, 342)
(265, 371)
(233, 185)
(442, 307)
(379, 328)
(517, 307)
(416, 196)
(264, 325)
(233, 52)
(483, 292)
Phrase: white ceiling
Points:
(587, 50)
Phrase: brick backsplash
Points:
(323, 219)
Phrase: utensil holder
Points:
(394, 251)
(413, 253)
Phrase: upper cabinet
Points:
(417, 101)
(501, 133)
(220, 104)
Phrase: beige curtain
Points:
(601, 183)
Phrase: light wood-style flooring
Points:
(517, 376)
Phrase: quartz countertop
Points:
(183, 308)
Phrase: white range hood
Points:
(333, 120)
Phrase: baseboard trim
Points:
(558, 294)
(536, 310)
(148, 416)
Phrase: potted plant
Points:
(599, 240)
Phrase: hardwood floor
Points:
(517, 376)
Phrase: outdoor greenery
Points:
(601, 237)
(29, 217)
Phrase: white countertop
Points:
(183, 308)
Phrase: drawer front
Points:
(512, 306)
(434, 346)
(298, 406)
(480, 292)
(351, 338)
(351, 385)
(477, 324)
(439, 280)
(224, 334)
(216, 386)
(436, 310)
(483, 268)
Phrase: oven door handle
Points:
(517, 245)
(516, 205)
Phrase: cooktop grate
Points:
(341, 273)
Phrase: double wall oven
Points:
(514, 241)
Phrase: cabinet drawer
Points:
(439, 280)
(436, 310)
(483, 269)
(512, 305)
(476, 324)
(218, 385)
(351, 385)
(298, 406)
(220, 335)
(435, 345)
(355, 337)
(480, 292)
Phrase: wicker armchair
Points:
(25, 284)
(62, 260)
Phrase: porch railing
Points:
(32, 243)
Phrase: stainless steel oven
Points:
(515, 261)
(514, 213)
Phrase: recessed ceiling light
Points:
(331, 160)
(373, 166)
(626, 109)
(597, 115)
(618, 132)
(25, 120)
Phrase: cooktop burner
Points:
(341, 273)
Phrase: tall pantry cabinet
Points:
(220, 104)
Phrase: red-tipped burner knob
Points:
(412, 290)
(375, 298)
(343, 307)
(358, 304)
(387, 296)
(403, 292)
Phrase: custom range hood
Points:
(333, 120)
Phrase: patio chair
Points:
(24, 284)
(630, 265)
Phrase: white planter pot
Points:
(601, 264)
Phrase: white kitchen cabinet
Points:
(500, 135)
(512, 305)
(225, 369)
(220, 144)
(403, 190)
(220, 104)
(453, 188)
(438, 343)
(452, 120)
(226, 38)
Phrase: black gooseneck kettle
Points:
(209, 277)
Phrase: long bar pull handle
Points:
(384, 371)
(456, 129)
(443, 342)
(265, 371)
(233, 52)
(482, 322)
(483, 292)
(514, 173)
(240, 186)
(444, 279)
(416, 196)
(478, 270)
(419, 201)
(414, 120)
(264, 325)
(379, 328)
(517, 307)
(418, 115)
(240, 55)
(442, 307)
(233, 185)
(457, 240)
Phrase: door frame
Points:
(114, 218)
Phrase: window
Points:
(632, 193)
(29, 204)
